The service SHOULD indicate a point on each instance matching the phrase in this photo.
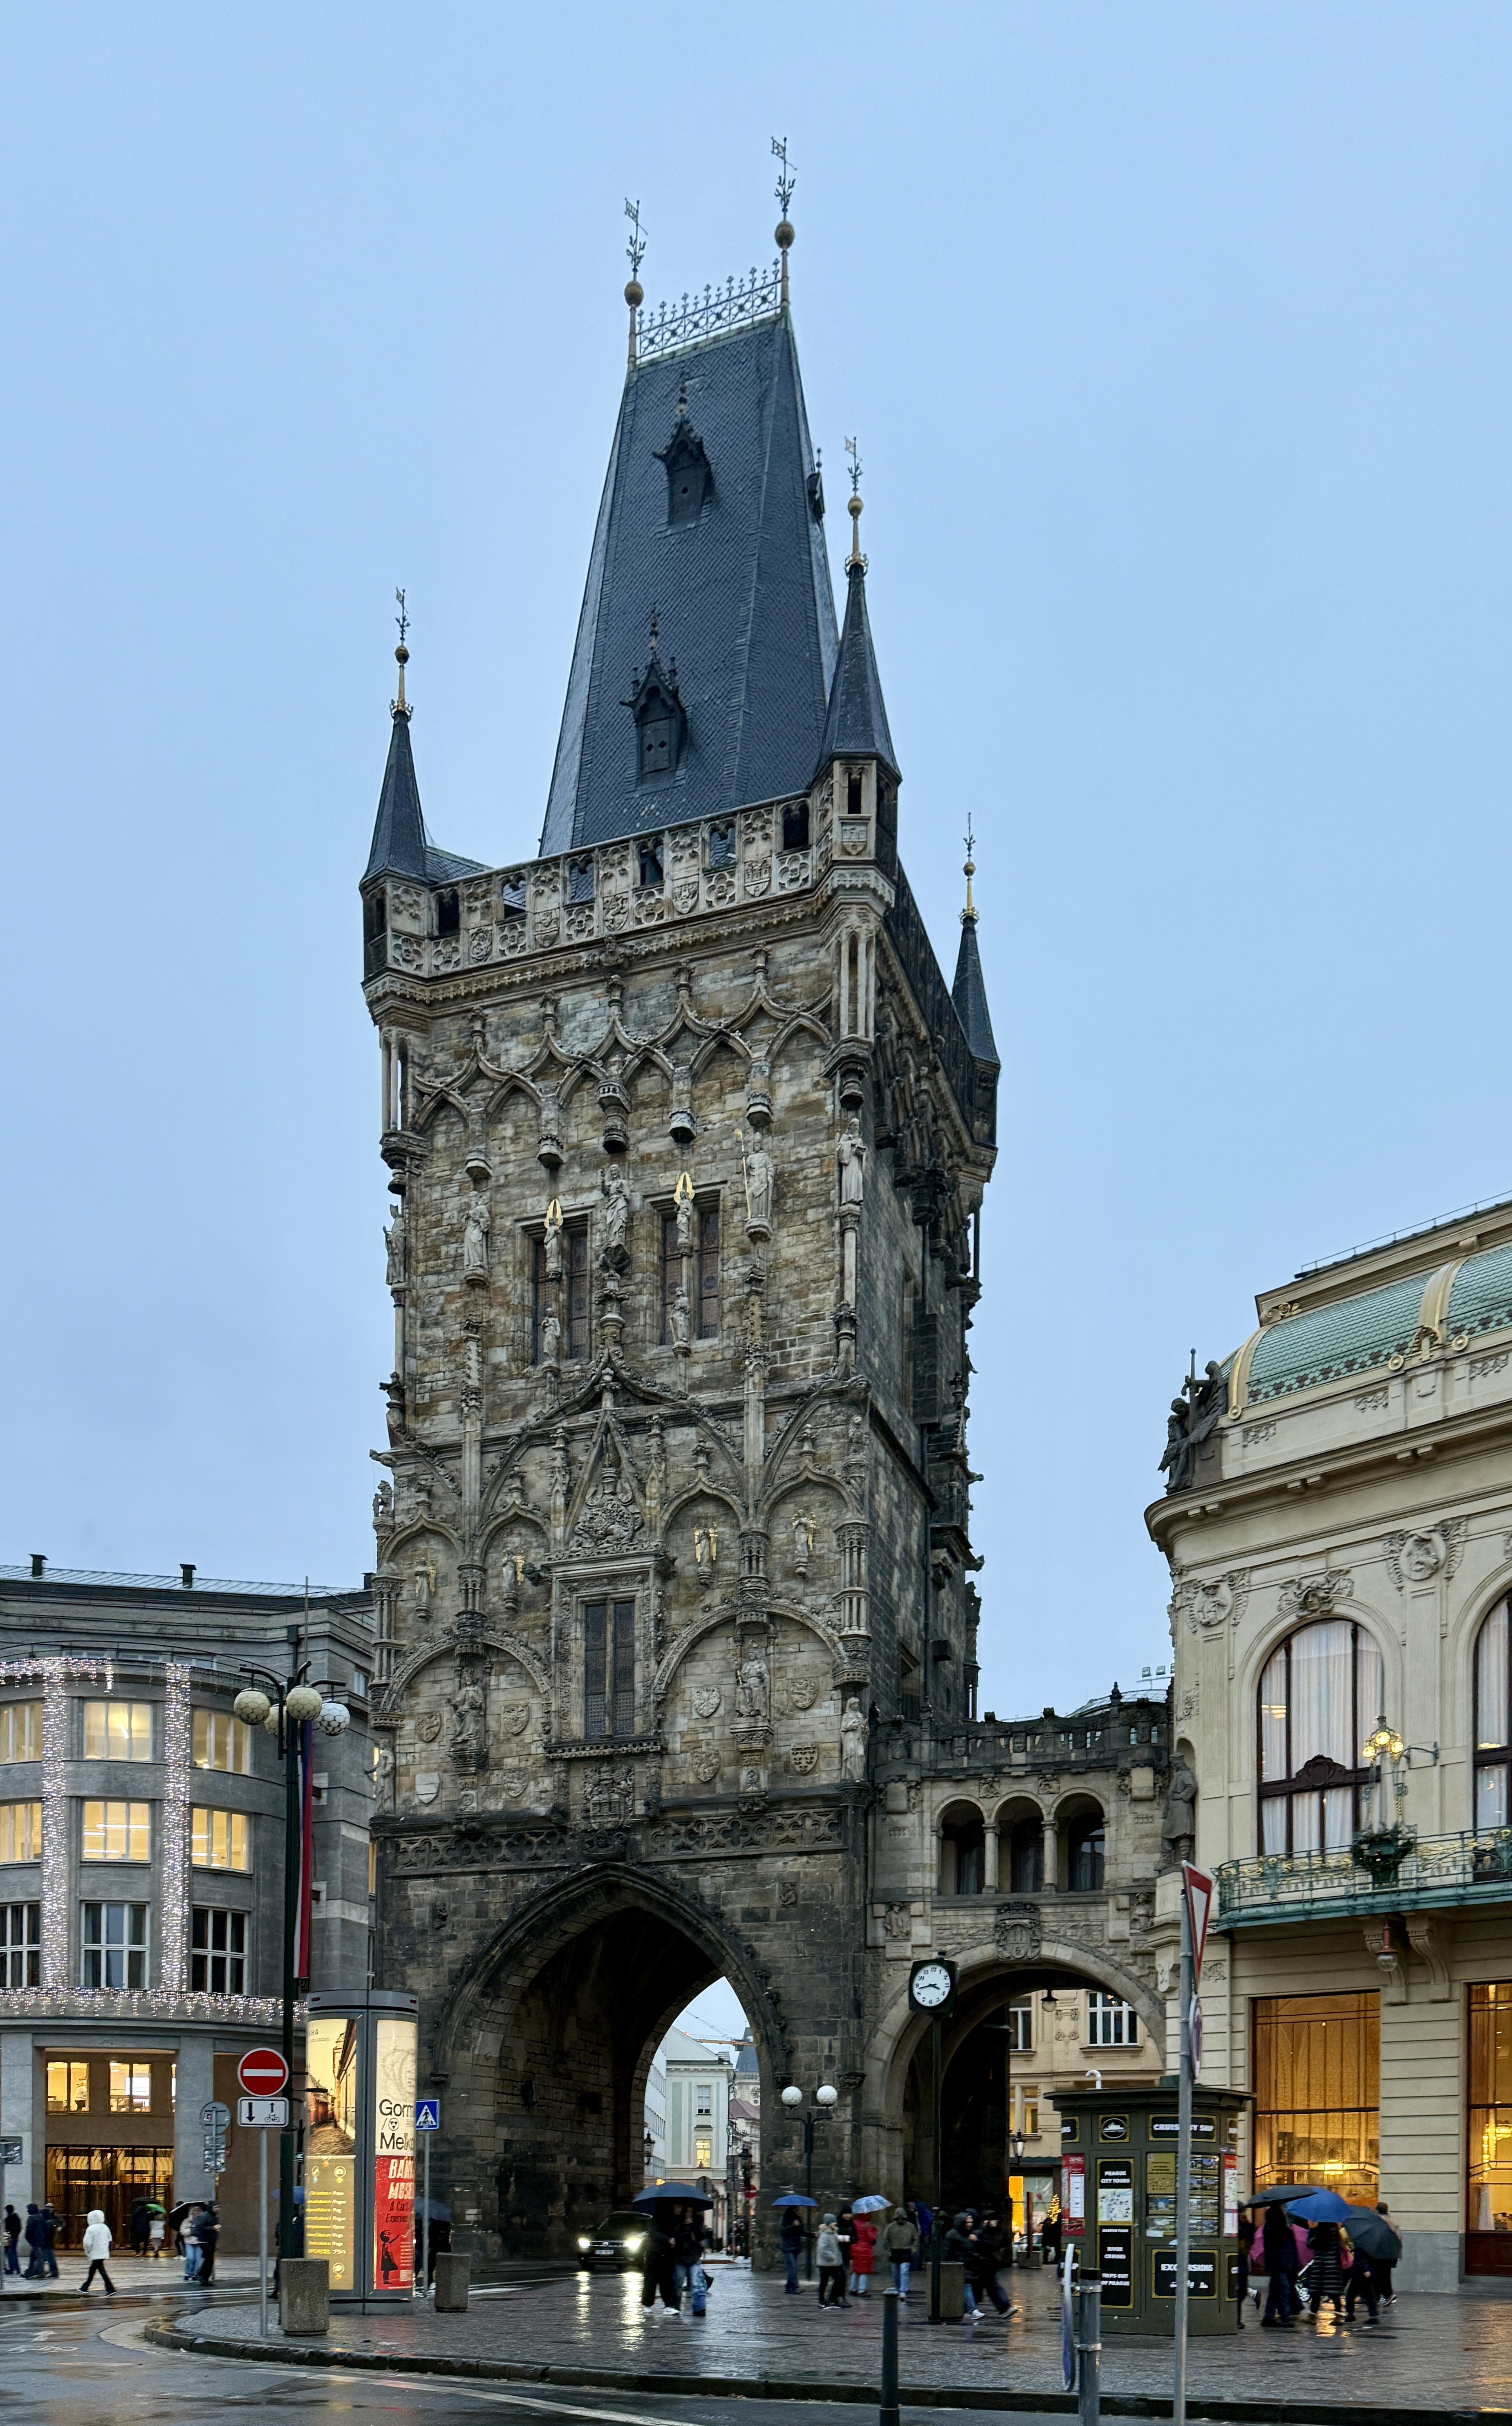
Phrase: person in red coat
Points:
(861, 2254)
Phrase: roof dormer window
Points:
(661, 724)
(689, 478)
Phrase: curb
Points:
(1232, 2411)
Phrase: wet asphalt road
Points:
(84, 2365)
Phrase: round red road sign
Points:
(263, 2072)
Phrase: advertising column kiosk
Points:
(1118, 2165)
(359, 2056)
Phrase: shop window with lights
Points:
(20, 1731)
(1320, 1697)
(131, 2088)
(68, 2088)
(21, 1832)
(219, 1841)
(221, 1742)
(118, 1730)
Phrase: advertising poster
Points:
(1074, 2193)
(394, 2063)
(1115, 2264)
(330, 2148)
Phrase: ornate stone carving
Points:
(1178, 1820)
(898, 1921)
(760, 1172)
(1314, 1595)
(1209, 1607)
(514, 1717)
(707, 1766)
(706, 1699)
(853, 1742)
(851, 1163)
(752, 1686)
(1416, 1558)
(469, 1722)
(1017, 1932)
(477, 1222)
(616, 1255)
(608, 1518)
(609, 1796)
(394, 1245)
(510, 1783)
(804, 1759)
(427, 1727)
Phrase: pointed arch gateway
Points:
(547, 2044)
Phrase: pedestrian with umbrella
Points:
(791, 2233)
(1376, 2248)
(1322, 2212)
(862, 2248)
(658, 2266)
(1278, 2255)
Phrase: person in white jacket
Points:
(97, 2248)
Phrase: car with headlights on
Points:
(615, 2247)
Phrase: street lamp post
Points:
(825, 2099)
(289, 1704)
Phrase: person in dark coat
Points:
(12, 2236)
(1381, 2267)
(991, 2249)
(658, 2268)
(1247, 2236)
(142, 2217)
(1050, 2239)
(960, 2250)
(207, 2234)
(1359, 2284)
(790, 2241)
(1279, 2254)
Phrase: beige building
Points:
(1340, 1537)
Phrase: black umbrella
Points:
(1375, 2234)
(1281, 2194)
(673, 2194)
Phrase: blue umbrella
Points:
(1320, 2206)
(795, 2198)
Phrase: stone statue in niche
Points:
(550, 1335)
(656, 1466)
(853, 1742)
(751, 1687)
(851, 1162)
(685, 1224)
(393, 1240)
(552, 1240)
(802, 1543)
(681, 1318)
(423, 1591)
(384, 1509)
(476, 1226)
(616, 1255)
(760, 1173)
(560, 1478)
(469, 1723)
(1178, 1820)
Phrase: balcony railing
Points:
(1467, 1868)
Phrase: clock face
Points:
(931, 1985)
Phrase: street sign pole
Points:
(262, 2236)
(1183, 2175)
(425, 2226)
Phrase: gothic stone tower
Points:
(687, 1135)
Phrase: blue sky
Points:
(1176, 339)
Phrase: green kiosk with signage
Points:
(1118, 2165)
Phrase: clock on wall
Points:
(932, 1985)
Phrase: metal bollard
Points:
(1089, 2349)
(887, 2414)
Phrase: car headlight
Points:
(584, 2241)
(635, 2242)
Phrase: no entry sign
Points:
(263, 2072)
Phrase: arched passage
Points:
(984, 2057)
(550, 2042)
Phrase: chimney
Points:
(187, 1576)
(38, 1563)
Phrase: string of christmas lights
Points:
(173, 1958)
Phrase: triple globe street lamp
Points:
(289, 1705)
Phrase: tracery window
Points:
(1493, 1720)
(1320, 1696)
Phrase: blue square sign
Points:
(427, 2113)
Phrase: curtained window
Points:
(1493, 1734)
(1320, 1696)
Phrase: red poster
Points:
(1074, 2193)
(393, 2223)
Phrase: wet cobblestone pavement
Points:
(1430, 2355)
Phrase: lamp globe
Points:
(251, 1707)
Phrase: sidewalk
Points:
(162, 2276)
(1433, 2357)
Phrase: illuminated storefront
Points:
(1317, 2082)
(1489, 2141)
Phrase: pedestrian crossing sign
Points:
(427, 2113)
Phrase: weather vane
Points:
(402, 619)
(636, 248)
(785, 179)
(850, 449)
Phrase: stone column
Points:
(989, 1860)
(1053, 1854)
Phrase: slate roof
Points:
(969, 996)
(400, 844)
(741, 592)
(856, 724)
(1358, 1334)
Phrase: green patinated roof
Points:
(1351, 1337)
(1481, 1299)
(1358, 1333)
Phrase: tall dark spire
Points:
(969, 992)
(400, 844)
(856, 725)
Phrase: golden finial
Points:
(786, 181)
(969, 912)
(854, 505)
(634, 291)
(401, 653)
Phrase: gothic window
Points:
(375, 931)
(690, 480)
(1320, 1695)
(649, 856)
(708, 1271)
(1086, 1845)
(853, 793)
(608, 1669)
(567, 1298)
(722, 843)
(1493, 1720)
(795, 826)
(449, 912)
